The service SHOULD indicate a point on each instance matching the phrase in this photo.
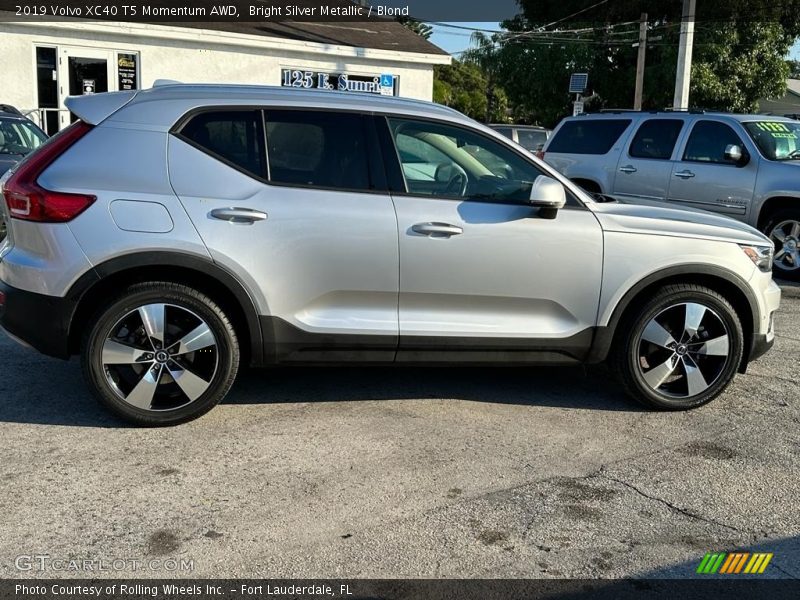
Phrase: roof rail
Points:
(693, 110)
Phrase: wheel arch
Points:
(725, 282)
(590, 185)
(223, 287)
(772, 205)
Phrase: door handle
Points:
(628, 169)
(238, 215)
(437, 229)
(686, 174)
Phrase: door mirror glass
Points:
(549, 195)
(735, 154)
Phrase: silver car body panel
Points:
(339, 262)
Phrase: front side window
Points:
(656, 139)
(318, 149)
(451, 162)
(777, 140)
(235, 136)
(708, 141)
(588, 136)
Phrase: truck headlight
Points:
(760, 255)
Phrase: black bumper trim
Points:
(36, 319)
(760, 346)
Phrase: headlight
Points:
(761, 256)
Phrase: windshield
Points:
(777, 140)
(19, 137)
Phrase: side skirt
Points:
(285, 343)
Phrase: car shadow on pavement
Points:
(565, 387)
(57, 394)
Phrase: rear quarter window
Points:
(588, 136)
(234, 136)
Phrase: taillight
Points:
(29, 201)
(539, 154)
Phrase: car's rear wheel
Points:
(160, 354)
(783, 228)
(679, 350)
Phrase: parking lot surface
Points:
(376, 472)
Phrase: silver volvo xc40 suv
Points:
(171, 235)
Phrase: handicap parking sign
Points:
(387, 80)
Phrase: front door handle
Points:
(685, 174)
(238, 215)
(628, 169)
(437, 229)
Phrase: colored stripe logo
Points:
(734, 563)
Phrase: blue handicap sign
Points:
(387, 80)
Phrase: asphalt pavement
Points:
(401, 472)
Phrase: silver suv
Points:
(743, 166)
(170, 235)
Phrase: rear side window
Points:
(234, 136)
(318, 149)
(584, 136)
(531, 139)
(656, 139)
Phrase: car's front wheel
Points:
(783, 228)
(160, 354)
(679, 350)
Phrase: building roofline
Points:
(229, 38)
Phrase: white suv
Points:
(172, 234)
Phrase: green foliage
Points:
(738, 57)
(465, 87)
(794, 68)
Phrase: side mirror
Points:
(548, 195)
(735, 154)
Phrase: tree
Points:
(794, 68)
(418, 27)
(738, 54)
(464, 86)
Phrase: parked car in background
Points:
(18, 137)
(743, 166)
(171, 234)
(530, 137)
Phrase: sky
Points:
(454, 40)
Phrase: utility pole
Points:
(637, 96)
(683, 76)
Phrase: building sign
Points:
(385, 84)
(127, 71)
(88, 86)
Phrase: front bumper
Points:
(37, 320)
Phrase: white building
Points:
(44, 62)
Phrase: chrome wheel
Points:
(787, 245)
(683, 350)
(160, 357)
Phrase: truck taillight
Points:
(29, 201)
(539, 154)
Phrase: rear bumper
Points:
(37, 320)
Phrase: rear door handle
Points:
(628, 169)
(437, 229)
(686, 174)
(238, 215)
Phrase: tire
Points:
(783, 228)
(152, 374)
(657, 361)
